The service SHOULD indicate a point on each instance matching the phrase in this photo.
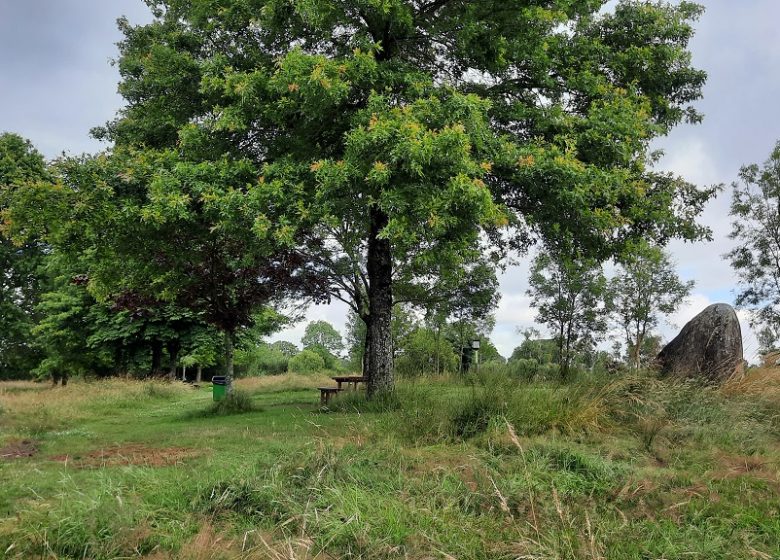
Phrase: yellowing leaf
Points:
(526, 161)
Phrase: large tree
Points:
(568, 292)
(755, 208)
(170, 231)
(22, 277)
(645, 288)
(407, 128)
(323, 334)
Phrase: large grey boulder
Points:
(708, 347)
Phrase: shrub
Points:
(306, 361)
(158, 390)
(329, 360)
(263, 359)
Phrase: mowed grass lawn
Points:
(631, 467)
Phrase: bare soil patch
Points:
(755, 466)
(130, 454)
(19, 449)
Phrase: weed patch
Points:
(18, 449)
(235, 402)
(131, 454)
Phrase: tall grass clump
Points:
(430, 411)
(436, 410)
(158, 390)
(107, 519)
(281, 383)
(356, 402)
(235, 402)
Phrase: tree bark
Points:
(366, 344)
(199, 374)
(118, 361)
(229, 360)
(173, 356)
(380, 303)
(438, 349)
(157, 352)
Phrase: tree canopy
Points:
(322, 333)
(645, 288)
(21, 276)
(406, 129)
(568, 292)
(755, 208)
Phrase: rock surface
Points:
(708, 347)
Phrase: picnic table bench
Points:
(327, 392)
(349, 380)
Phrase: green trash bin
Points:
(219, 387)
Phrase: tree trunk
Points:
(118, 361)
(366, 344)
(438, 349)
(640, 340)
(561, 357)
(157, 352)
(568, 352)
(199, 374)
(184, 373)
(380, 303)
(229, 360)
(173, 355)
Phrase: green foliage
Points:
(307, 361)
(543, 351)
(463, 331)
(347, 129)
(756, 214)
(66, 326)
(488, 353)
(322, 334)
(287, 348)
(110, 213)
(355, 340)
(645, 288)
(330, 361)
(22, 279)
(569, 295)
(261, 359)
(426, 352)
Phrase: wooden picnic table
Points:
(349, 380)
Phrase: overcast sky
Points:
(56, 82)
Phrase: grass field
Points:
(631, 467)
